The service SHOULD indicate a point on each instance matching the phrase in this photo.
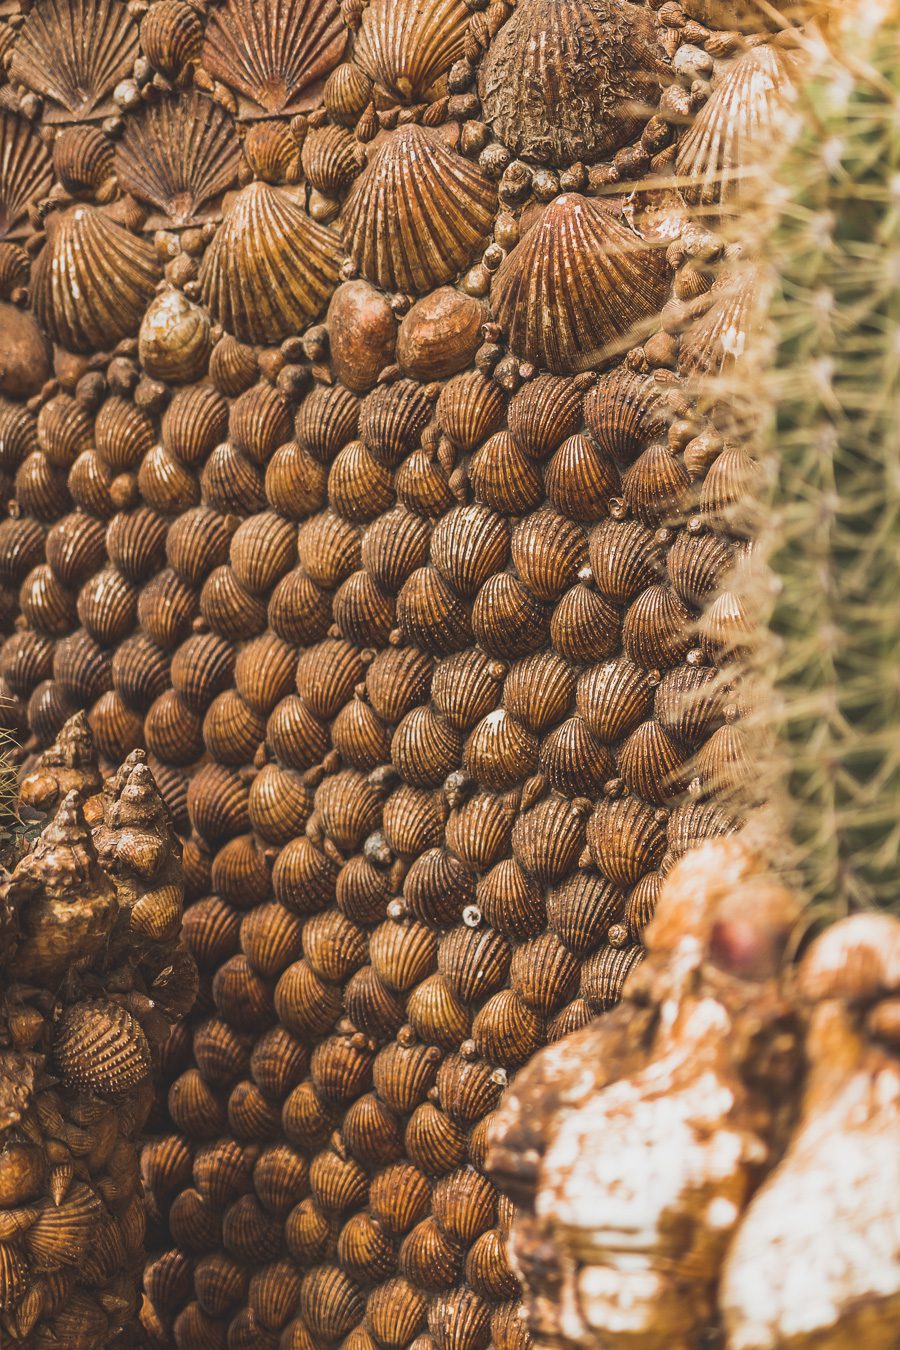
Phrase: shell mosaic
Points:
(353, 476)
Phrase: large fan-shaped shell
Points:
(404, 45)
(414, 219)
(93, 281)
(178, 155)
(576, 285)
(75, 51)
(573, 80)
(734, 125)
(272, 51)
(25, 173)
(270, 269)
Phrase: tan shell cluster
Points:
(360, 504)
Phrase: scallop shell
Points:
(25, 171)
(438, 887)
(62, 1234)
(259, 422)
(75, 51)
(718, 339)
(373, 1009)
(504, 477)
(419, 249)
(470, 409)
(99, 1047)
(697, 565)
(231, 483)
(562, 83)
(327, 674)
(545, 413)
(347, 93)
(511, 901)
(392, 418)
(548, 551)
(624, 412)
(507, 619)
(178, 156)
(547, 840)
(466, 687)
(201, 668)
(272, 152)
(270, 269)
(123, 435)
(272, 51)
(433, 1141)
(394, 546)
(398, 680)
(404, 46)
(171, 35)
(500, 752)
(328, 546)
(737, 122)
(327, 421)
(479, 831)
(93, 280)
(578, 284)
(690, 702)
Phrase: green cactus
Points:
(826, 670)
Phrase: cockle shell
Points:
(93, 280)
(393, 240)
(171, 35)
(75, 51)
(101, 1048)
(719, 338)
(25, 172)
(405, 45)
(178, 155)
(270, 268)
(272, 51)
(577, 284)
(566, 82)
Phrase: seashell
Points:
(641, 905)
(92, 280)
(220, 1284)
(272, 152)
(500, 751)
(266, 235)
(650, 762)
(510, 901)
(264, 672)
(305, 1003)
(369, 1130)
(464, 1203)
(507, 619)
(250, 1116)
(467, 1091)
(360, 736)
(273, 1296)
(82, 158)
(329, 158)
(626, 839)
(399, 1198)
(539, 690)
(221, 1054)
(350, 808)
(25, 353)
(75, 53)
(433, 1141)
(217, 803)
(82, 668)
(201, 668)
(40, 489)
(410, 166)
(430, 1258)
(716, 341)
(278, 1063)
(295, 482)
(18, 434)
(309, 1238)
(430, 615)
(603, 975)
(487, 1269)
(548, 551)
(194, 1107)
(718, 149)
(21, 548)
(364, 1251)
(690, 702)
(546, 412)
(172, 784)
(166, 484)
(26, 659)
(231, 483)
(107, 607)
(404, 48)
(724, 762)
(229, 609)
(328, 548)
(726, 625)
(413, 819)
(548, 839)
(560, 84)
(576, 285)
(25, 170)
(136, 543)
(395, 1312)
(730, 481)
(392, 418)
(394, 546)
(168, 1281)
(466, 687)
(194, 1224)
(470, 409)
(178, 154)
(299, 610)
(505, 1030)
(263, 548)
(397, 680)
(45, 604)
(437, 888)
(279, 805)
(504, 477)
(654, 485)
(402, 955)
(474, 962)
(363, 610)
(581, 911)
(334, 946)
(436, 1015)
(327, 421)
(347, 93)
(479, 830)
(362, 333)
(62, 1234)
(657, 630)
(340, 1069)
(404, 1075)
(99, 1047)
(573, 761)
(194, 422)
(614, 698)
(48, 710)
(307, 1120)
(440, 334)
(64, 430)
(232, 366)
(259, 422)
(694, 822)
(327, 675)
(174, 339)
(696, 565)
(295, 735)
(580, 480)
(242, 997)
(272, 54)
(359, 487)
(239, 872)
(248, 1233)
(470, 544)
(624, 412)
(625, 559)
(422, 485)
(117, 730)
(372, 1007)
(211, 930)
(425, 747)
(330, 1303)
(14, 269)
(271, 939)
(171, 36)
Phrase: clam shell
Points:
(544, 414)
(194, 423)
(487, 1269)
(279, 804)
(274, 53)
(585, 626)
(92, 281)
(658, 628)
(511, 901)
(578, 284)
(500, 752)
(328, 548)
(433, 1141)
(136, 543)
(581, 910)
(335, 947)
(309, 1238)
(107, 607)
(436, 1015)
(626, 839)
(166, 484)
(174, 339)
(258, 422)
(267, 236)
(402, 954)
(329, 159)
(242, 997)
(26, 659)
(172, 731)
(392, 418)
(419, 250)
(25, 171)
(562, 83)
(295, 735)
(347, 93)
(239, 873)
(331, 1304)
(474, 962)
(364, 1251)
(373, 1009)
(641, 905)
(504, 477)
(178, 155)
(625, 559)
(470, 544)
(327, 421)
(231, 482)
(548, 839)
(231, 611)
(271, 939)
(507, 619)
(624, 412)
(362, 334)
(694, 822)
(201, 668)
(399, 1198)
(614, 698)
(422, 485)
(539, 690)
(466, 687)
(232, 731)
(171, 35)
(74, 53)
(544, 973)
(690, 702)
(360, 736)
(548, 550)
(437, 888)
(440, 334)
(232, 366)
(398, 680)
(84, 670)
(394, 546)
(412, 820)
(470, 409)
(350, 807)
(574, 762)
(262, 550)
(278, 1063)
(479, 830)
(327, 675)
(99, 1047)
(359, 486)
(364, 611)
(430, 615)
(64, 429)
(650, 761)
(217, 803)
(506, 1031)
(18, 434)
(264, 672)
(340, 1069)
(697, 564)
(467, 1090)
(303, 877)
(430, 1257)
(654, 485)
(715, 342)
(404, 46)
(603, 975)
(580, 479)
(404, 1075)
(395, 1312)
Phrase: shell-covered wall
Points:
(352, 474)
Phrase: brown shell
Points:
(657, 630)
(437, 887)
(430, 1257)
(479, 830)
(576, 285)
(327, 674)
(171, 35)
(614, 698)
(422, 485)
(398, 680)
(403, 1075)
(394, 546)
(359, 487)
(585, 626)
(327, 421)
(412, 820)
(107, 607)
(328, 548)
(714, 342)
(299, 610)
(696, 565)
(469, 545)
(231, 482)
(626, 839)
(425, 747)
(271, 939)
(650, 761)
(82, 158)
(511, 901)
(507, 619)
(211, 930)
(466, 687)
(430, 615)
(338, 1183)
(580, 479)
(347, 93)
(395, 1312)
(392, 418)
(420, 250)
(201, 668)
(545, 413)
(279, 803)
(548, 839)
(440, 334)
(603, 975)
(581, 910)
(296, 735)
(75, 74)
(548, 551)
(624, 412)
(574, 761)
(625, 559)
(196, 543)
(232, 366)
(329, 158)
(262, 549)
(402, 954)
(364, 1251)
(178, 155)
(566, 83)
(99, 1047)
(405, 47)
(264, 672)
(173, 731)
(272, 53)
(474, 962)
(690, 702)
(25, 171)
(433, 1141)
(487, 1269)
(64, 429)
(222, 1056)
(504, 477)
(470, 409)
(229, 609)
(370, 1131)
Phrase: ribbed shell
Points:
(270, 269)
(178, 155)
(273, 50)
(470, 408)
(93, 280)
(576, 285)
(75, 51)
(25, 172)
(101, 1048)
(415, 217)
(405, 45)
(171, 35)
